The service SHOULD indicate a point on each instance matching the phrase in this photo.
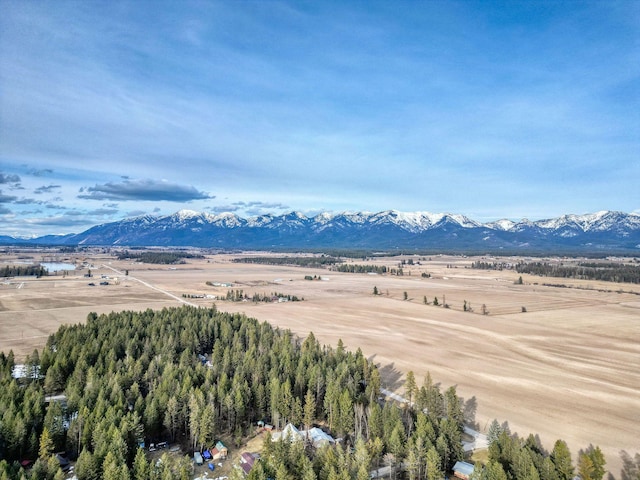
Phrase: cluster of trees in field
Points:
(135, 376)
(355, 268)
(263, 297)
(608, 272)
(482, 265)
(164, 258)
(23, 270)
(311, 262)
(239, 295)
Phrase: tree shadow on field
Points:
(390, 376)
(469, 410)
(630, 466)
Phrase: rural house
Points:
(463, 470)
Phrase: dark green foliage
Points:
(311, 261)
(608, 272)
(512, 458)
(165, 258)
(22, 270)
(480, 265)
(355, 268)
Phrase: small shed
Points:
(463, 470)
(219, 452)
(247, 460)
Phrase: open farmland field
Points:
(567, 368)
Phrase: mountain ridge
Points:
(390, 229)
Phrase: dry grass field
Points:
(568, 367)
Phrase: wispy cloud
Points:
(135, 213)
(248, 208)
(148, 190)
(6, 198)
(224, 208)
(4, 178)
(28, 201)
(46, 189)
(103, 212)
(40, 173)
(65, 221)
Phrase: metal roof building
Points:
(463, 470)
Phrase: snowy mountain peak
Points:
(504, 225)
(186, 214)
(599, 231)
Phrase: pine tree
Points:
(434, 462)
(493, 471)
(140, 466)
(585, 467)
(112, 469)
(561, 458)
(309, 409)
(412, 463)
(494, 431)
(346, 418)
(87, 467)
(46, 444)
(171, 417)
(597, 459)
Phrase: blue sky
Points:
(488, 109)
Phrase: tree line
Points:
(311, 262)
(23, 270)
(608, 272)
(164, 258)
(482, 265)
(355, 268)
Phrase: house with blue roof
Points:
(463, 470)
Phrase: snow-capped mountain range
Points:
(601, 231)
